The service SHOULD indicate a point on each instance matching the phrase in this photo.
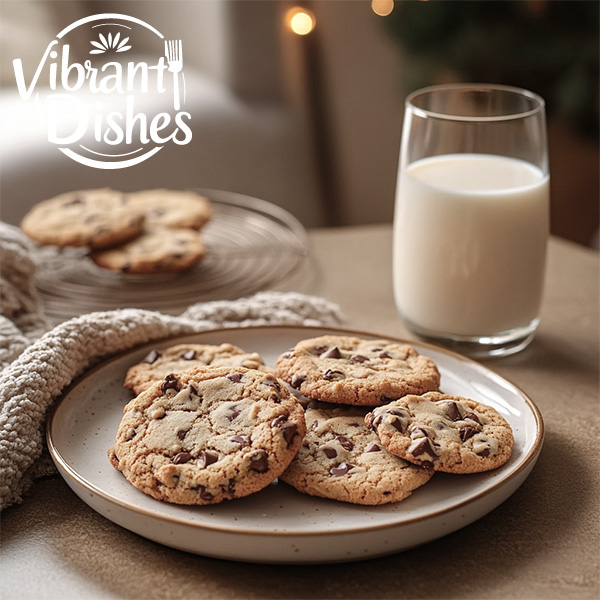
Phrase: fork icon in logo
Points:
(174, 54)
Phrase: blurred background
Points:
(301, 103)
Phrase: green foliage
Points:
(548, 46)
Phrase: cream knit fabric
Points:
(36, 367)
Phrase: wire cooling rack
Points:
(250, 245)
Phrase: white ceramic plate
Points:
(278, 524)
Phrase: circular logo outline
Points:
(90, 162)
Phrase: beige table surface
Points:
(543, 542)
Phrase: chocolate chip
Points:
(331, 375)
(234, 412)
(417, 433)
(279, 421)
(423, 446)
(467, 432)
(204, 494)
(453, 412)
(345, 443)
(473, 417)
(384, 355)
(152, 357)
(333, 352)
(259, 461)
(287, 428)
(287, 355)
(396, 423)
(485, 452)
(181, 458)
(341, 469)
(400, 412)
(270, 382)
(206, 458)
(358, 358)
(235, 377)
(297, 381)
(170, 383)
(181, 433)
(330, 452)
(372, 448)
(230, 488)
(243, 440)
(189, 355)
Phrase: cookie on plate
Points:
(342, 460)
(173, 208)
(448, 433)
(155, 251)
(157, 364)
(351, 370)
(208, 435)
(95, 218)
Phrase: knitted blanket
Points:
(37, 364)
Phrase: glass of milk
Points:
(472, 217)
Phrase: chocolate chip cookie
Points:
(447, 433)
(155, 251)
(350, 370)
(94, 218)
(342, 460)
(172, 208)
(157, 364)
(208, 435)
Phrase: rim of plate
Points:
(80, 480)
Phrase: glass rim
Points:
(470, 87)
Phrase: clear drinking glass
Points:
(472, 217)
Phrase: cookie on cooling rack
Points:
(208, 435)
(342, 460)
(95, 218)
(172, 208)
(447, 433)
(158, 250)
(351, 370)
(157, 364)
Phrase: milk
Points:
(470, 235)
